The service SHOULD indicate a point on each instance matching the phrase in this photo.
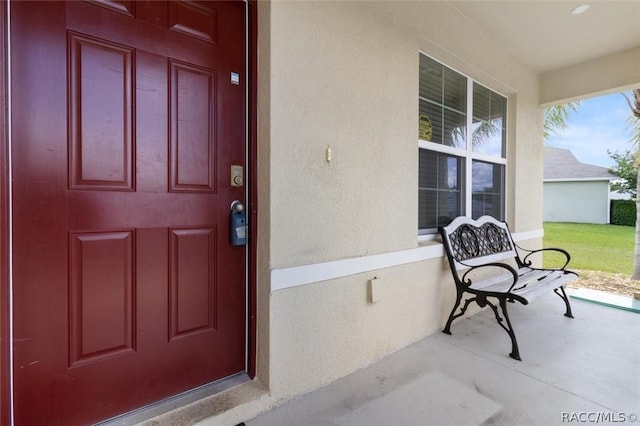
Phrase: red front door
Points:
(126, 119)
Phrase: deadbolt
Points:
(237, 173)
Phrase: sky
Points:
(599, 124)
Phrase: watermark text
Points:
(598, 417)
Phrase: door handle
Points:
(237, 206)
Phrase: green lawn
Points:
(607, 248)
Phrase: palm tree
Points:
(634, 106)
(555, 118)
(634, 120)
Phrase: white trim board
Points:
(295, 276)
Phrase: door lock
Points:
(237, 178)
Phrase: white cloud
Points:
(599, 124)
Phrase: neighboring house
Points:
(348, 129)
(574, 191)
(615, 195)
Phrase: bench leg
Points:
(515, 353)
(564, 297)
(447, 328)
(453, 315)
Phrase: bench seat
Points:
(531, 282)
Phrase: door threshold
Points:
(162, 407)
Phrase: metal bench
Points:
(485, 262)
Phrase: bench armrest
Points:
(467, 281)
(527, 262)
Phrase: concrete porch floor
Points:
(582, 370)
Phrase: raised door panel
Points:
(101, 296)
(193, 130)
(101, 114)
(192, 269)
(194, 20)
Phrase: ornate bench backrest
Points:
(469, 242)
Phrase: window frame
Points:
(468, 155)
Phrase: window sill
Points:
(428, 238)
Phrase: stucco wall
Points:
(338, 81)
(582, 202)
(329, 329)
(344, 75)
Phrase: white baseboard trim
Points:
(295, 276)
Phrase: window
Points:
(462, 144)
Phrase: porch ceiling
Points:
(544, 35)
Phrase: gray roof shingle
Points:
(562, 164)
